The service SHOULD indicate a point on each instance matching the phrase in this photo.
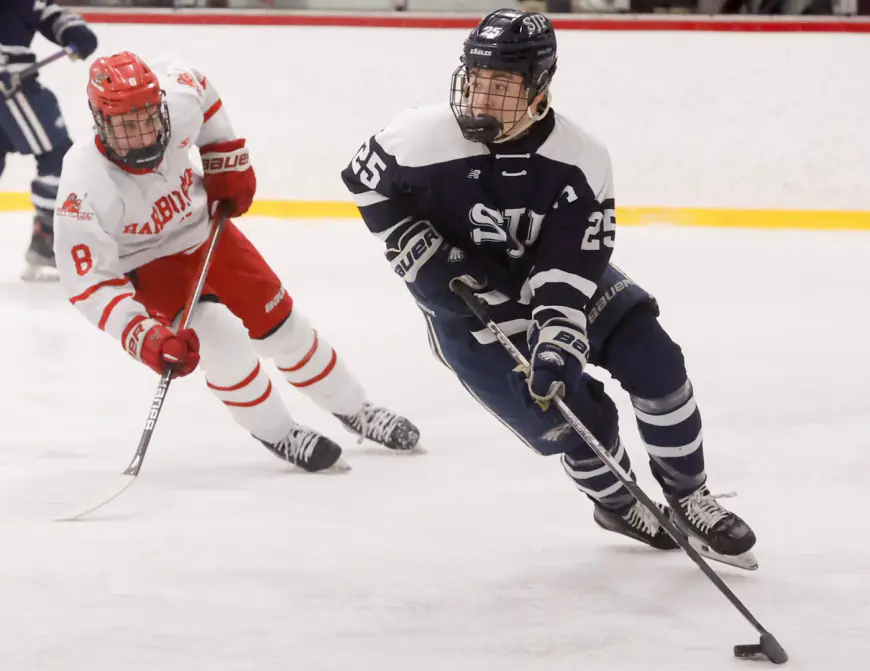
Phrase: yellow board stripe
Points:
(830, 220)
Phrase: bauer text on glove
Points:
(559, 350)
(160, 348)
(228, 175)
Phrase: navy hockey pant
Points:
(639, 354)
(31, 124)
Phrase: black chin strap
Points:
(483, 129)
(142, 158)
(145, 158)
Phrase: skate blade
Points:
(40, 274)
(417, 449)
(340, 466)
(746, 561)
(615, 529)
(360, 439)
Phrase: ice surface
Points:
(477, 556)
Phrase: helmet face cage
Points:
(510, 41)
(507, 102)
(123, 141)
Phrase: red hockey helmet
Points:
(123, 84)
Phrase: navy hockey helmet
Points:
(507, 40)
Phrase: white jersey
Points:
(112, 220)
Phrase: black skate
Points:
(39, 257)
(308, 450)
(713, 531)
(636, 522)
(384, 427)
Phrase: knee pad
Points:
(643, 358)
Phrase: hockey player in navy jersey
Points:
(499, 191)
(30, 120)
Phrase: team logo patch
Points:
(72, 208)
(187, 80)
(72, 204)
(552, 357)
(556, 434)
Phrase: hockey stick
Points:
(17, 77)
(132, 471)
(767, 645)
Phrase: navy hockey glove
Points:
(428, 263)
(77, 36)
(559, 350)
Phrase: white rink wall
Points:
(692, 119)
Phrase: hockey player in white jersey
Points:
(499, 191)
(128, 240)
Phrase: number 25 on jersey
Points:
(602, 224)
(367, 165)
(601, 230)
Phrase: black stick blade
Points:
(767, 646)
(772, 649)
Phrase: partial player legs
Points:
(247, 285)
(312, 366)
(232, 370)
(486, 372)
(651, 368)
(616, 509)
(598, 413)
(234, 373)
(628, 341)
(40, 255)
(236, 377)
(31, 124)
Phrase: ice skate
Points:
(384, 427)
(308, 450)
(637, 523)
(713, 531)
(39, 258)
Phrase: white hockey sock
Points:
(254, 404)
(234, 374)
(312, 366)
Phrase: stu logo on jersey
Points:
(519, 227)
(165, 209)
(72, 208)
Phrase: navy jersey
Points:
(540, 207)
(19, 22)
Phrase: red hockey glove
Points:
(160, 348)
(228, 175)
